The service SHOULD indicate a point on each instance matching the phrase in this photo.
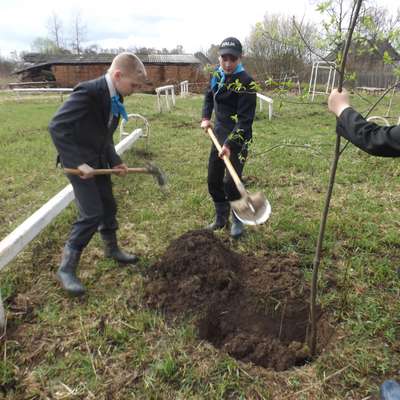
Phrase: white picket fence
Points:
(18, 239)
(264, 99)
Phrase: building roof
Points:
(36, 60)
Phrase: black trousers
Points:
(97, 209)
(220, 183)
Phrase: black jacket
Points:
(234, 110)
(374, 139)
(79, 128)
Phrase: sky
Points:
(153, 23)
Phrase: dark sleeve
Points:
(374, 139)
(246, 109)
(208, 104)
(112, 156)
(63, 126)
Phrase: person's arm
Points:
(374, 139)
(63, 126)
(208, 107)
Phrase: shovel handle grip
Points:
(107, 171)
(228, 164)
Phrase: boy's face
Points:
(127, 83)
(228, 63)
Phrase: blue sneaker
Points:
(390, 390)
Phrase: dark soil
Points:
(254, 308)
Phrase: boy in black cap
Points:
(232, 96)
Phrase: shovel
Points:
(251, 209)
(148, 169)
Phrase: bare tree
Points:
(177, 50)
(79, 32)
(275, 46)
(43, 45)
(382, 21)
(212, 53)
(378, 25)
(55, 29)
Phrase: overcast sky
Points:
(150, 23)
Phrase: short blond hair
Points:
(127, 63)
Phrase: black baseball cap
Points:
(232, 46)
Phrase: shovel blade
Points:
(253, 209)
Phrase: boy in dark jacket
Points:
(82, 131)
(232, 97)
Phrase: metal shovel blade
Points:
(252, 209)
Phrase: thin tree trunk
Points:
(324, 217)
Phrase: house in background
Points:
(68, 70)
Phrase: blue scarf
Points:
(118, 108)
(219, 76)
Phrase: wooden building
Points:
(67, 70)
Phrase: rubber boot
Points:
(221, 216)
(390, 390)
(237, 227)
(66, 273)
(111, 250)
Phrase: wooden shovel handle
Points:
(228, 164)
(109, 171)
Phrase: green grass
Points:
(109, 345)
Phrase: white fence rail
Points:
(184, 88)
(265, 99)
(12, 244)
(60, 91)
(165, 91)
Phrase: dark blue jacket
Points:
(80, 130)
(234, 110)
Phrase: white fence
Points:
(165, 92)
(184, 88)
(16, 241)
(60, 91)
(268, 100)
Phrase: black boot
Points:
(221, 216)
(111, 250)
(66, 273)
(237, 227)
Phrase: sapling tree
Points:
(342, 57)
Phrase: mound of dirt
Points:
(255, 309)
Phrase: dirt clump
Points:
(254, 308)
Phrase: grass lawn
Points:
(109, 345)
